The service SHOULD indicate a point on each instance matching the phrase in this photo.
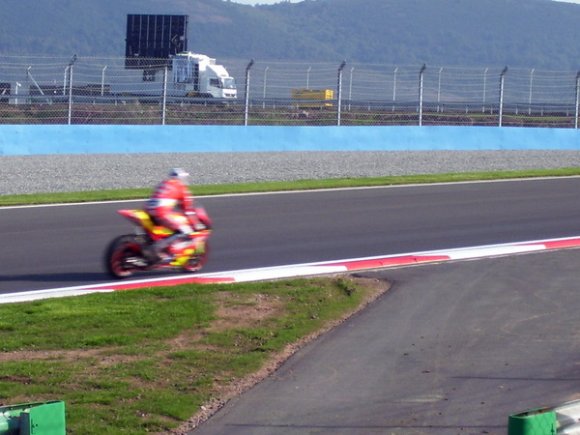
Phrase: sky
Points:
(265, 2)
(270, 2)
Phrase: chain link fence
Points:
(89, 90)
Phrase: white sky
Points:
(265, 2)
(270, 2)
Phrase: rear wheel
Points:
(197, 262)
(122, 256)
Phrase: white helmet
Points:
(180, 174)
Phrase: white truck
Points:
(198, 75)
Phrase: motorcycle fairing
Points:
(142, 218)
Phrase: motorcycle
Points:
(130, 253)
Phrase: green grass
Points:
(276, 186)
(146, 360)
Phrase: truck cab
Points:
(198, 75)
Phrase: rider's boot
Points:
(184, 244)
(160, 252)
(167, 249)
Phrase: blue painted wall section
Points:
(111, 139)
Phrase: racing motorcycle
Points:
(131, 253)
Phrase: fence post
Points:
(395, 86)
(103, 80)
(484, 88)
(338, 92)
(28, 81)
(18, 84)
(439, 89)
(264, 93)
(70, 85)
(501, 89)
(70, 88)
(65, 81)
(421, 76)
(531, 86)
(164, 100)
(577, 98)
(350, 88)
(247, 90)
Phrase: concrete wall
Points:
(100, 139)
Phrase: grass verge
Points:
(276, 186)
(148, 360)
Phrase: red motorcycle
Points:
(131, 253)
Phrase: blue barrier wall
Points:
(100, 139)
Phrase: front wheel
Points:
(122, 256)
(197, 262)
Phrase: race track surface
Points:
(50, 247)
(451, 349)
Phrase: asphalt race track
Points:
(453, 348)
(50, 247)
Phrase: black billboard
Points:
(153, 38)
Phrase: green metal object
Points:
(540, 421)
(41, 418)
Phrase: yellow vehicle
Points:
(313, 98)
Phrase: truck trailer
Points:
(198, 75)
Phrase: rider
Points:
(172, 206)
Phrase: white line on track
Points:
(307, 269)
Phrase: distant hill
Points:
(520, 33)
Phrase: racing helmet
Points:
(180, 174)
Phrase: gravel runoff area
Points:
(70, 173)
